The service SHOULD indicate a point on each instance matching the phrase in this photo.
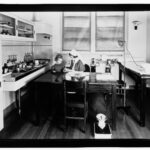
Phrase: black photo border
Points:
(74, 142)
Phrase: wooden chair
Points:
(75, 102)
(120, 91)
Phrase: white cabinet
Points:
(17, 29)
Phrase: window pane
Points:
(109, 29)
(76, 31)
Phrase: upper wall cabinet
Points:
(7, 25)
(14, 28)
(25, 30)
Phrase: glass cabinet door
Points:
(25, 30)
(7, 25)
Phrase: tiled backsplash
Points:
(15, 48)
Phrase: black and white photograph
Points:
(74, 74)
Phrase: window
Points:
(102, 34)
(76, 31)
(109, 29)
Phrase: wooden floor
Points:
(24, 128)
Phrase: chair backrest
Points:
(74, 86)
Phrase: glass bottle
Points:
(5, 68)
(108, 67)
(93, 65)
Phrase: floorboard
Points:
(51, 128)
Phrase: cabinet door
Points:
(25, 30)
(7, 25)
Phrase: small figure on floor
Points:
(101, 120)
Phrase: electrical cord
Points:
(124, 43)
(141, 67)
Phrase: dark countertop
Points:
(49, 77)
(57, 78)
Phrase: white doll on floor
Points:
(101, 120)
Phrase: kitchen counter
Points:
(15, 81)
(18, 75)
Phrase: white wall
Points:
(8, 98)
(15, 48)
(137, 39)
(148, 37)
(53, 18)
(42, 48)
(24, 15)
(1, 96)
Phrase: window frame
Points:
(91, 26)
(65, 50)
(96, 34)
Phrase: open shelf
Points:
(6, 26)
(24, 30)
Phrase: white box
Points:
(102, 134)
